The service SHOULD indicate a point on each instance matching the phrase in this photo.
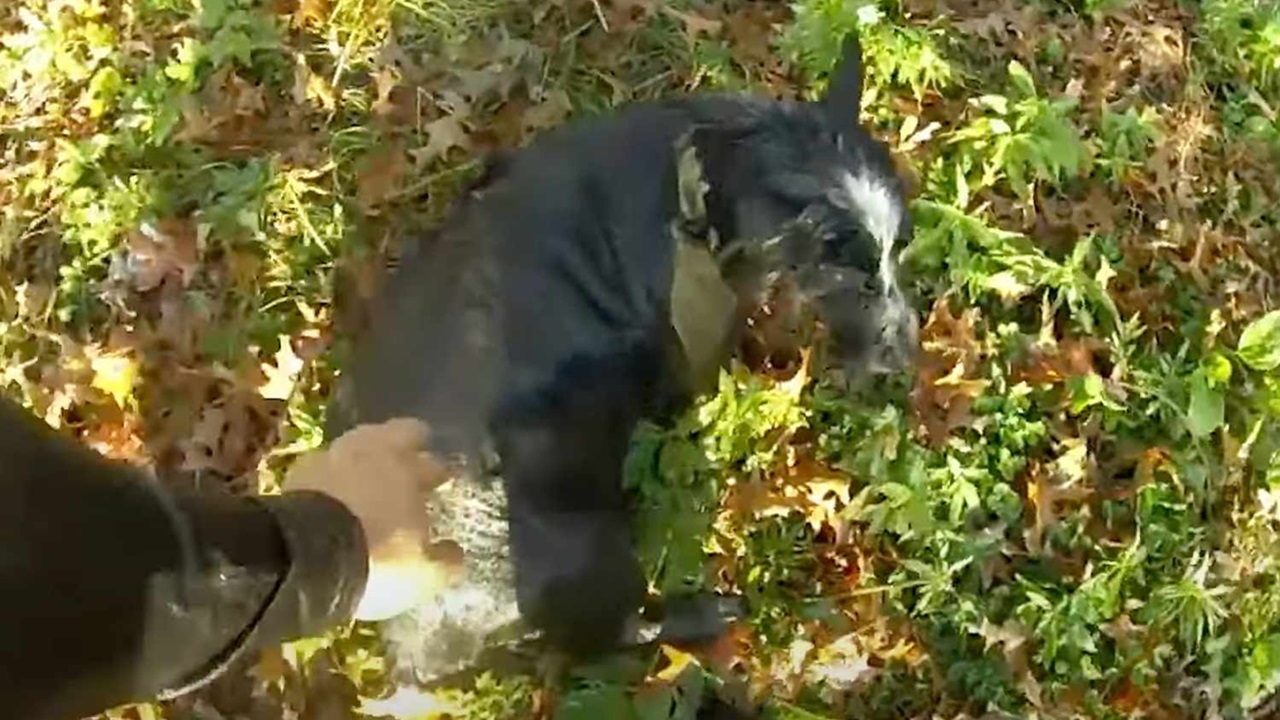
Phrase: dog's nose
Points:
(900, 343)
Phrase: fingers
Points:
(401, 433)
(394, 436)
(432, 472)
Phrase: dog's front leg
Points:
(577, 577)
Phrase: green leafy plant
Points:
(1022, 140)
(1125, 140)
(894, 54)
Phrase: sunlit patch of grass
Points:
(1242, 41)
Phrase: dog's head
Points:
(801, 192)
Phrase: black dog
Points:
(599, 276)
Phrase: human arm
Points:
(114, 588)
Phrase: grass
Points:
(1068, 510)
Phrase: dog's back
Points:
(564, 251)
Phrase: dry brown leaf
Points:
(1008, 637)
(809, 489)
(840, 665)
(443, 135)
(763, 499)
(248, 99)
(202, 450)
(385, 81)
(197, 126)
(1051, 489)
(943, 394)
(552, 111)
(751, 32)
(627, 15)
(695, 25)
(271, 668)
(231, 434)
(1072, 357)
(311, 13)
(310, 87)
(1121, 629)
(117, 436)
(1127, 698)
(505, 129)
(380, 175)
(1151, 460)
(168, 249)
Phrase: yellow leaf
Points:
(299, 652)
(320, 90)
(677, 661)
(115, 375)
(308, 86)
(1007, 286)
(129, 712)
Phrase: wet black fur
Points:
(537, 322)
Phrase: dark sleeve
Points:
(113, 589)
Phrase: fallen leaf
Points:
(380, 175)
(230, 435)
(115, 374)
(319, 90)
(759, 499)
(309, 87)
(751, 31)
(443, 135)
(1008, 637)
(552, 111)
(627, 15)
(943, 393)
(1062, 360)
(1050, 489)
(116, 435)
(311, 13)
(271, 668)
(1127, 698)
(206, 441)
(247, 98)
(282, 377)
(385, 81)
(695, 25)
(839, 665)
(156, 252)
(677, 661)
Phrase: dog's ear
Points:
(843, 100)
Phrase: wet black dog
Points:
(590, 280)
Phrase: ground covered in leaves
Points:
(1071, 509)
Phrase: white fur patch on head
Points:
(881, 215)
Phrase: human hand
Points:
(382, 474)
